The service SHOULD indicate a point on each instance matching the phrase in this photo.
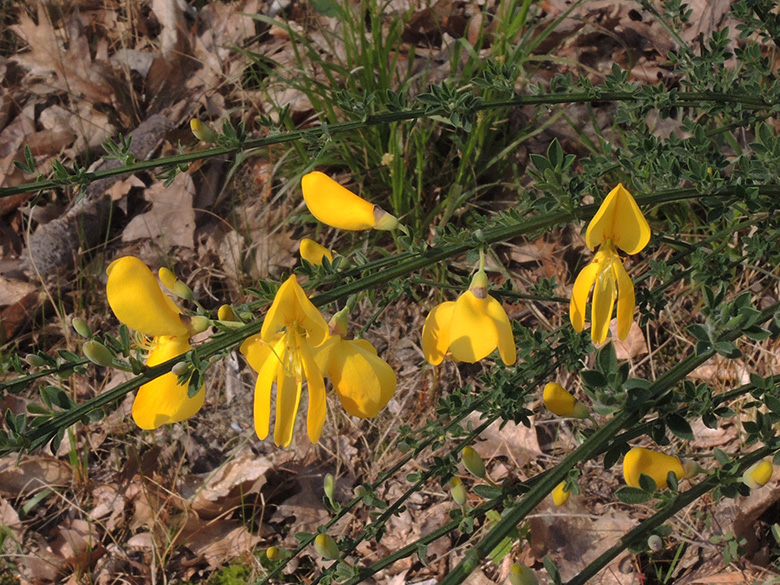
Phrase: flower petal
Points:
(619, 219)
(137, 301)
(626, 300)
(265, 360)
(579, 295)
(604, 294)
(313, 252)
(364, 382)
(315, 416)
(288, 397)
(164, 400)
(291, 308)
(473, 333)
(436, 332)
(506, 339)
(558, 400)
(335, 205)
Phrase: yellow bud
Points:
(520, 574)
(81, 327)
(758, 474)
(202, 132)
(560, 402)
(97, 353)
(473, 462)
(458, 492)
(640, 461)
(199, 323)
(175, 285)
(225, 313)
(272, 553)
(313, 252)
(326, 547)
(560, 494)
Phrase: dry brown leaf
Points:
(707, 438)
(108, 502)
(32, 474)
(218, 541)
(515, 441)
(12, 291)
(306, 505)
(215, 493)
(574, 538)
(721, 369)
(9, 519)
(724, 578)
(634, 345)
(171, 220)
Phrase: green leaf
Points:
(632, 495)
(501, 550)
(699, 332)
(552, 570)
(679, 426)
(647, 483)
(594, 378)
(487, 492)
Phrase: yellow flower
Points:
(284, 353)
(560, 402)
(758, 474)
(363, 382)
(560, 495)
(202, 132)
(469, 328)
(618, 223)
(137, 301)
(339, 207)
(313, 252)
(640, 461)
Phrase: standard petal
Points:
(267, 362)
(436, 332)
(579, 295)
(604, 294)
(506, 339)
(626, 300)
(137, 301)
(364, 382)
(315, 415)
(619, 219)
(257, 351)
(290, 308)
(313, 252)
(164, 400)
(473, 333)
(335, 205)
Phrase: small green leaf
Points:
(632, 495)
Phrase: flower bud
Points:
(473, 462)
(98, 353)
(458, 492)
(655, 542)
(560, 402)
(360, 491)
(272, 553)
(326, 547)
(640, 461)
(691, 468)
(329, 486)
(81, 327)
(175, 285)
(758, 474)
(202, 132)
(560, 494)
(520, 574)
(199, 323)
(225, 313)
(338, 323)
(34, 360)
(181, 369)
(313, 252)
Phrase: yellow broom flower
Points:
(137, 301)
(339, 207)
(284, 353)
(618, 223)
(560, 495)
(640, 461)
(470, 328)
